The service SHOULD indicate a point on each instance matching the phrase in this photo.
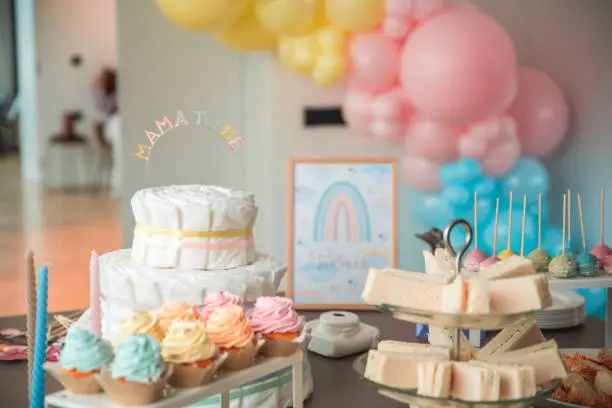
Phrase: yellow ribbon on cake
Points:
(234, 233)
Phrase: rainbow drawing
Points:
(342, 211)
(376, 259)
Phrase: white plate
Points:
(563, 300)
(568, 310)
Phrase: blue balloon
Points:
(458, 196)
(487, 187)
(595, 301)
(531, 231)
(486, 212)
(528, 176)
(552, 240)
(460, 172)
(431, 209)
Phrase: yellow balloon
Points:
(203, 15)
(247, 34)
(287, 17)
(299, 53)
(330, 68)
(355, 15)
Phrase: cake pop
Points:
(477, 256)
(569, 250)
(539, 256)
(508, 252)
(587, 264)
(493, 259)
(563, 266)
(601, 251)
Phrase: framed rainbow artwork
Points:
(342, 222)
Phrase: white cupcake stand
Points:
(178, 398)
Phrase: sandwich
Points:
(404, 289)
(513, 338)
(513, 267)
(516, 382)
(398, 370)
(419, 349)
(439, 264)
(543, 357)
(434, 378)
(439, 336)
(473, 383)
(519, 295)
(467, 296)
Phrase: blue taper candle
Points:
(37, 395)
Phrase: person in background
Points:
(107, 132)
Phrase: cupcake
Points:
(279, 324)
(193, 356)
(84, 354)
(217, 300)
(229, 329)
(137, 375)
(176, 311)
(138, 322)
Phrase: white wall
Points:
(65, 28)
(28, 98)
(6, 45)
(164, 67)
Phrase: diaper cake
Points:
(189, 241)
(193, 251)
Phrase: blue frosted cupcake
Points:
(137, 375)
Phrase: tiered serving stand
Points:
(178, 398)
(458, 322)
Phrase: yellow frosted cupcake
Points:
(230, 330)
(139, 322)
(192, 354)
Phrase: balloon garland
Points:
(439, 77)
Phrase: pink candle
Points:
(95, 318)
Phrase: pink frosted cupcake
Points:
(278, 322)
(217, 300)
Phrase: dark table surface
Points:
(335, 382)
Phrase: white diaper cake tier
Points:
(126, 286)
(193, 227)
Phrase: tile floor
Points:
(61, 228)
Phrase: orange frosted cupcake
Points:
(140, 322)
(174, 311)
(278, 322)
(229, 329)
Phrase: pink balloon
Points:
(356, 110)
(421, 174)
(494, 143)
(374, 62)
(540, 111)
(459, 67)
(403, 15)
(431, 141)
(383, 117)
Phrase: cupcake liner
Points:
(189, 376)
(84, 385)
(283, 348)
(133, 394)
(244, 358)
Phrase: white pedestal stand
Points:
(604, 281)
(184, 397)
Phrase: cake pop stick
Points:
(523, 229)
(580, 213)
(602, 250)
(540, 257)
(586, 263)
(508, 252)
(569, 218)
(30, 282)
(563, 266)
(493, 259)
(475, 257)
